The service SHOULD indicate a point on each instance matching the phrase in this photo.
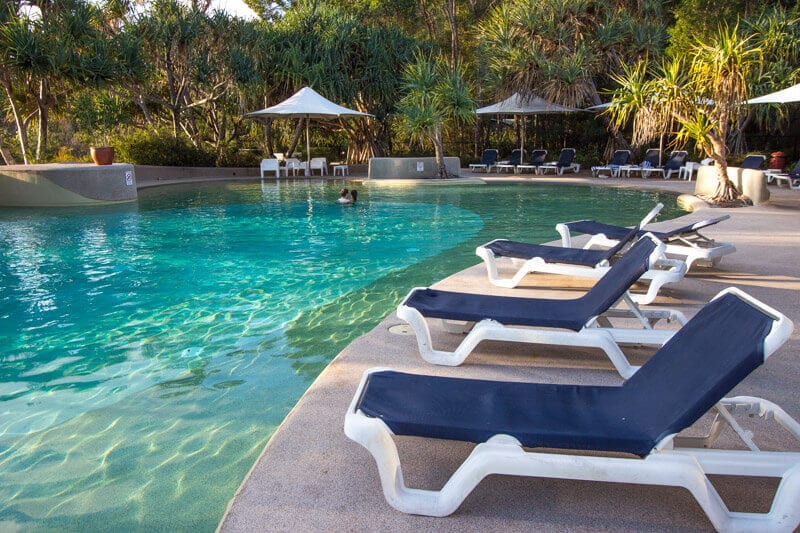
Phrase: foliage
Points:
(161, 148)
(700, 99)
(435, 95)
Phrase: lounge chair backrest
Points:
(538, 157)
(753, 161)
(651, 157)
(620, 158)
(270, 164)
(795, 172)
(702, 362)
(676, 160)
(489, 157)
(622, 275)
(566, 157)
(623, 242)
(516, 157)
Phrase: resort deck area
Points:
(311, 477)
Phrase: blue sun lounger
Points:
(685, 242)
(584, 321)
(580, 262)
(623, 434)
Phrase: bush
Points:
(161, 148)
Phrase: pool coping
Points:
(310, 477)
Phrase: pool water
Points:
(148, 352)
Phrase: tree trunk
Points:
(451, 18)
(41, 102)
(298, 131)
(726, 192)
(441, 169)
(22, 132)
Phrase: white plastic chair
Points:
(318, 163)
(294, 165)
(270, 165)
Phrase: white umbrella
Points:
(307, 103)
(517, 105)
(792, 94)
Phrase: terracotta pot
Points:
(102, 155)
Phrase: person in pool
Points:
(354, 195)
(344, 197)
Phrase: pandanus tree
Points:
(436, 95)
(48, 50)
(699, 99)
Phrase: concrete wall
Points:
(146, 173)
(410, 167)
(66, 184)
(752, 183)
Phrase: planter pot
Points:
(102, 155)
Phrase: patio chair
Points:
(618, 160)
(753, 161)
(792, 178)
(488, 161)
(579, 262)
(517, 156)
(318, 163)
(565, 162)
(685, 242)
(270, 165)
(537, 159)
(672, 166)
(650, 161)
(623, 434)
(584, 321)
(294, 165)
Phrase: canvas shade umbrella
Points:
(519, 106)
(307, 103)
(792, 94)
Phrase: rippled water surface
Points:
(148, 352)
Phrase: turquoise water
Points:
(147, 352)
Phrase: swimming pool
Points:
(149, 351)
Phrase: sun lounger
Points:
(488, 161)
(622, 434)
(685, 242)
(511, 164)
(584, 321)
(613, 168)
(581, 262)
(565, 162)
(791, 178)
(536, 160)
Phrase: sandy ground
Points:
(310, 477)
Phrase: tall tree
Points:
(435, 94)
(702, 97)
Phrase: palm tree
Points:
(435, 94)
(701, 98)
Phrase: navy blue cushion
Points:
(489, 157)
(550, 254)
(558, 254)
(675, 161)
(541, 312)
(538, 157)
(590, 227)
(712, 353)
(620, 158)
(565, 157)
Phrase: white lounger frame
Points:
(675, 461)
(598, 332)
(663, 271)
(693, 248)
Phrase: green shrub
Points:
(160, 148)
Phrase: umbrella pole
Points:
(308, 150)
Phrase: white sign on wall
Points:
(420, 166)
(128, 178)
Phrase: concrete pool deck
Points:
(310, 477)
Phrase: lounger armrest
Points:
(781, 329)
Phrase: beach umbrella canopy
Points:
(517, 105)
(792, 94)
(309, 104)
